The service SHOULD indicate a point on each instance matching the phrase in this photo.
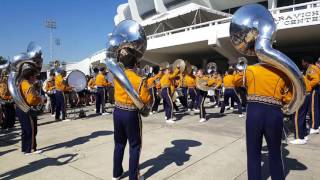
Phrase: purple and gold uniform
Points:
(128, 125)
(203, 94)
(27, 120)
(101, 83)
(166, 82)
(61, 88)
(267, 92)
(190, 82)
(151, 82)
(230, 93)
(300, 129)
(7, 105)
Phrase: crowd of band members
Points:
(259, 83)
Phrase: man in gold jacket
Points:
(101, 83)
(7, 103)
(61, 88)
(28, 120)
(190, 82)
(151, 82)
(230, 92)
(126, 117)
(166, 82)
(299, 117)
(267, 93)
(203, 94)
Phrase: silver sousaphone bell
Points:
(252, 31)
(33, 58)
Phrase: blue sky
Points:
(82, 26)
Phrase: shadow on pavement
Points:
(289, 163)
(38, 165)
(77, 141)
(6, 152)
(177, 154)
(9, 139)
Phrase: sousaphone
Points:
(252, 31)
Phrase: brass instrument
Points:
(242, 64)
(252, 31)
(211, 67)
(146, 70)
(164, 65)
(181, 63)
(202, 84)
(127, 34)
(4, 91)
(33, 59)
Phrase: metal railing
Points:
(291, 8)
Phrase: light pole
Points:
(51, 24)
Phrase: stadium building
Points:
(198, 30)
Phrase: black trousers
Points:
(100, 99)
(8, 115)
(53, 103)
(29, 129)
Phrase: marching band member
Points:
(126, 117)
(190, 81)
(92, 84)
(217, 89)
(267, 92)
(7, 105)
(28, 120)
(313, 73)
(49, 88)
(101, 84)
(173, 86)
(61, 88)
(166, 82)
(153, 91)
(299, 117)
(229, 91)
(184, 98)
(203, 94)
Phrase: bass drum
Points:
(77, 80)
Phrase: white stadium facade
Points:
(198, 30)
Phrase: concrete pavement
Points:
(83, 149)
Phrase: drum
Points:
(77, 80)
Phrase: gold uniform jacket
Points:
(101, 80)
(265, 84)
(60, 84)
(190, 81)
(29, 94)
(140, 86)
(228, 81)
(167, 79)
